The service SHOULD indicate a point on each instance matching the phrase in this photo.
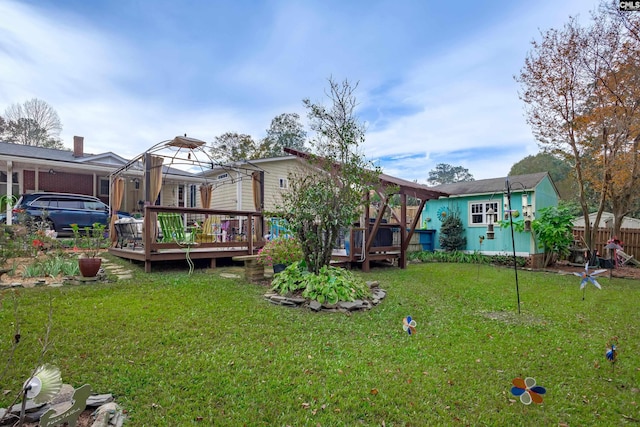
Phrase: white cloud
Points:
(124, 92)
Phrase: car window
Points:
(40, 203)
(70, 204)
(95, 206)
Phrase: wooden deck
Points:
(240, 240)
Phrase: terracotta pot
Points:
(89, 267)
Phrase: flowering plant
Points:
(282, 250)
(89, 240)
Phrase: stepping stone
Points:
(229, 276)
(124, 276)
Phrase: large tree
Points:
(33, 123)
(285, 131)
(233, 147)
(446, 174)
(580, 90)
(329, 197)
(559, 170)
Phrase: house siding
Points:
(61, 182)
(225, 194)
(543, 195)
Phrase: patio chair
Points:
(171, 227)
(625, 259)
(212, 229)
(128, 231)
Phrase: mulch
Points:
(625, 272)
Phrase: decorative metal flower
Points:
(589, 277)
(443, 212)
(527, 390)
(409, 325)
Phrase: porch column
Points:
(9, 192)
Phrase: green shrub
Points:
(330, 285)
(451, 238)
(465, 258)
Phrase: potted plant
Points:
(280, 252)
(89, 241)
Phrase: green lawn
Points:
(205, 350)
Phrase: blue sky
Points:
(435, 78)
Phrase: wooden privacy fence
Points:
(630, 238)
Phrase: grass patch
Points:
(173, 347)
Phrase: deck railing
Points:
(202, 233)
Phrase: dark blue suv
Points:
(57, 211)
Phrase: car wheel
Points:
(40, 224)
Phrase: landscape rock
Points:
(315, 305)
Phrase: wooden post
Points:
(402, 261)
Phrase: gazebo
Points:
(176, 218)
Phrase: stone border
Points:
(378, 295)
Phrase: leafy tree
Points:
(552, 231)
(559, 170)
(451, 234)
(329, 197)
(446, 174)
(33, 123)
(233, 147)
(581, 89)
(285, 131)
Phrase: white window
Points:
(192, 196)
(283, 182)
(223, 176)
(478, 213)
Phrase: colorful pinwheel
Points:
(409, 325)
(527, 390)
(588, 277)
(612, 352)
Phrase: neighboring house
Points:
(471, 201)
(606, 221)
(28, 169)
(232, 184)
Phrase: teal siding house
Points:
(479, 203)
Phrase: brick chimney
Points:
(78, 146)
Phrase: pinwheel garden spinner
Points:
(409, 325)
(612, 352)
(527, 390)
(588, 277)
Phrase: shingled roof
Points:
(409, 188)
(32, 152)
(493, 185)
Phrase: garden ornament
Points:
(409, 325)
(612, 352)
(588, 277)
(527, 390)
(44, 385)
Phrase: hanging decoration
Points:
(527, 390)
(409, 325)
(443, 213)
(588, 277)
